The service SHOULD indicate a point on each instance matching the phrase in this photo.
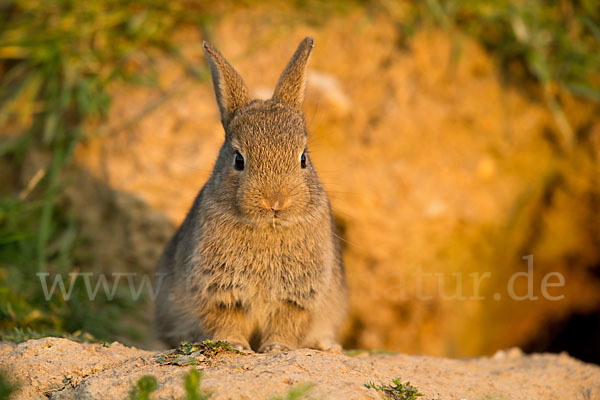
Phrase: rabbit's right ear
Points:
(230, 89)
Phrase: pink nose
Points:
(277, 202)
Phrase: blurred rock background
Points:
(453, 138)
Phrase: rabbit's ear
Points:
(230, 89)
(290, 88)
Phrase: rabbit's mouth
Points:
(273, 221)
(277, 219)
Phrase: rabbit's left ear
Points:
(291, 85)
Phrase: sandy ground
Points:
(62, 369)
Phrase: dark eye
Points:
(239, 162)
(303, 160)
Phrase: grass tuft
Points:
(396, 391)
(57, 61)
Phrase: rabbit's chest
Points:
(263, 276)
(263, 271)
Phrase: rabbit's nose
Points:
(277, 202)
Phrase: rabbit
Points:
(257, 261)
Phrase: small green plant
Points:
(6, 387)
(396, 391)
(148, 384)
(297, 392)
(193, 353)
(143, 388)
(219, 344)
(191, 383)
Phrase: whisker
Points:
(347, 242)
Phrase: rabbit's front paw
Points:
(333, 348)
(330, 346)
(273, 348)
(241, 347)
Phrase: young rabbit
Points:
(256, 261)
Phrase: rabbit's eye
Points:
(303, 160)
(239, 162)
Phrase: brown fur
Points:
(256, 261)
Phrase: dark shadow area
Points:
(577, 334)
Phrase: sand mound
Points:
(62, 369)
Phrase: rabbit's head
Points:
(263, 175)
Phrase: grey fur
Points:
(256, 261)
